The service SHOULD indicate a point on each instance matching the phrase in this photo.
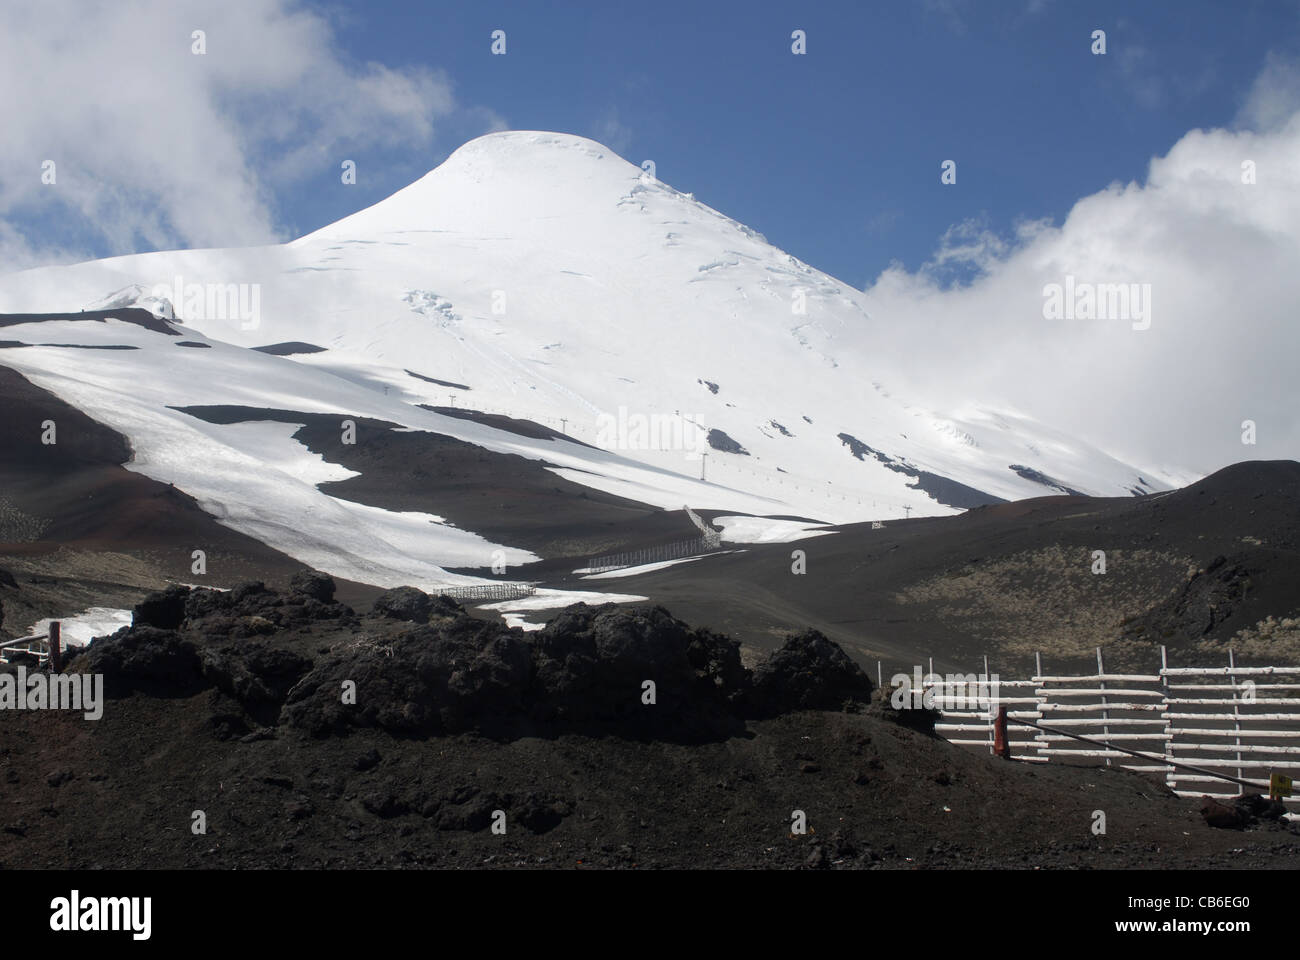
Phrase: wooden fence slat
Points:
(1135, 677)
(1225, 671)
(1092, 692)
(1229, 717)
(1226, 702)
(1238, 722)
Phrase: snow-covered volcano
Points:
(541, 276)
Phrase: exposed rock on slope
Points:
(424, 667)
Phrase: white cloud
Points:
(613, 133)
(1274, 95)
(158, 145)
(1221, 258)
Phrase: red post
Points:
(1001, 743)
(56, 648)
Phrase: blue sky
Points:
(834, 155)
(1127, 166)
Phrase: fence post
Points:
(1040, 699)
(1171, 775)
(1105, 714)
(1001, 745)
(992, 705)
(56, 646)
(1236, 714)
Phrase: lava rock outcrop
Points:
(420, 666)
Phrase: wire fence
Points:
(489, 591)
(657, 554)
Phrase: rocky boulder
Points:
(313, 584)
(145, 659)
(809, 672)
(403, 603)
(593, 663)
(255, 673)
(422, 682)
(164, 610)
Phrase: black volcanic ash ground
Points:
(228, 703)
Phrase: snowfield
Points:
(765, 530)
(513, 611)
(539, 276)
(80, 629)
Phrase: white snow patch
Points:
(517, 620)
(272, 443)
(766, 530)
(79, 630)
(633, 571)
(547, 599)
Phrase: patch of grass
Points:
(1049, 600)
(1271, 639)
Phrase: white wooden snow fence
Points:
(1243, 721)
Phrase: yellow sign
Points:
(1279, 785)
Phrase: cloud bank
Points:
(157, 146)
(1220, 257)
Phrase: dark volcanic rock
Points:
(403, 603)
(253, 672)
(314, 584)
(202, 604)
(809, 672)
(1228, 594)
(153, 661)
(593, 664)
(1221, 815)
(946, 491)
(165, 610)
(633, 672)
(1210, 596)
(587, 670)
(424, 681)
(288, 348)
(1255, 806)
(252, 592)
(717, 661)
(1029, 473)
(251, 610)
(719, 440)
